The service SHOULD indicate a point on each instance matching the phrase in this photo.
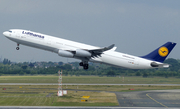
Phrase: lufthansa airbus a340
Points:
(87, 53)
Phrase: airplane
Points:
(87, 53)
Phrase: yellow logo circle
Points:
(163, 51)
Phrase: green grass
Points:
(14, 99)
(84, 104)
(88, 79)
(46, 96)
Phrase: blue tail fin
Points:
(160, 53)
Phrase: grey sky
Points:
(135, 27)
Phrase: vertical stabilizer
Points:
(160, 53)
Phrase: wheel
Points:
(17, 48)
(85, 66)
(81, 63)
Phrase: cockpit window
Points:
(10, 31)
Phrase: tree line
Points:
(7, 67)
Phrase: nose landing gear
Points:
(17, 48)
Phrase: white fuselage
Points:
(55, 44)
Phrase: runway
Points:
(88, 84)
(155, 98)
(63, 107)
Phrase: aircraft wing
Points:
(98, 52)
(84, 52)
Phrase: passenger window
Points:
(10, 31)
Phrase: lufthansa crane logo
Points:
(163, 51)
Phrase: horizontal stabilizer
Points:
(163, 65)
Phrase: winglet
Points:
(160, 53)
(114, 48)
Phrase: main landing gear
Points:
(17, 48)
(85, 66)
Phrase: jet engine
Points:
(78, 53)
(64, 53)
(82, 53)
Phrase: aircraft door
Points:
(18, 35)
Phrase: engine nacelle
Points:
(82, 53)
(64, 53)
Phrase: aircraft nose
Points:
(5, 33)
